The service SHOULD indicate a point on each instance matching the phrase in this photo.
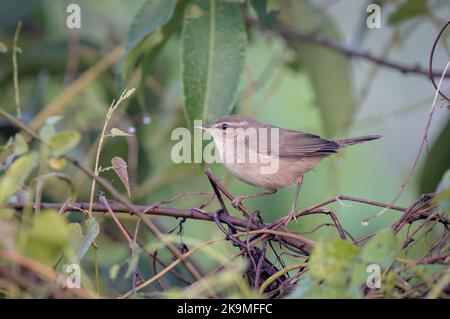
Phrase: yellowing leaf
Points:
(57, 163)
(118, 132)
(16, 175)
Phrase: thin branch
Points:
(350, 52)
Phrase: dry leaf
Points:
(120, 167)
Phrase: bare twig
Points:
(350, 52)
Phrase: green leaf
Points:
(79, 241)
(213, 54)
(63, 142)
(118, 132)
(333, 262)
(266, 17)
(48, 130)
(20, 145)
(47, 238)
(3, 48)
(16, 175)
(407, 10)
(329, 71)
(307, 289)
(437, 161)
(381, 249)
(150, 16)
(442, 196)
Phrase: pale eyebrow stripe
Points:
(230, 124)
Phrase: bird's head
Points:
(228, 127)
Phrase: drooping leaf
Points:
(329, 71)
(407, 10)
(20, 145)
(47, 238)
(333, 262)
(16, 175)
(120, 167)
(119, 132)
(150, 16)
(213, 53)
(63, 142)
(381, 249)
(81, 241)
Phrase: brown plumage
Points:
(295, 152)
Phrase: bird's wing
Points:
(298, 144)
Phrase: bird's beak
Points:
(203, 128)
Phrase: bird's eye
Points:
(225, 126)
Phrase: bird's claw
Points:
(237, 201)
(291, 216)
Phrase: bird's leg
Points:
(239, 199)
(293, 212)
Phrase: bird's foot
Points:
(237, 201)
(291, 216)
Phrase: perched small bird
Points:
(247, 146)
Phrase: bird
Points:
(247, 146)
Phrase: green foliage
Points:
(437, 161)
(79, 241)
(329, 71)
(20, 145)
(267, 17)
(442, 196)
(150, 16)
(338, 268)
(198, 59)
(47, 238)
(213, 53)
(16, 175)
(382, 249)
(407, 10)
(62, 142)
(333, 262)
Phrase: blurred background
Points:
(279, 85)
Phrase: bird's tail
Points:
(355, 140)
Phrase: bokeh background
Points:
(275, 87)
